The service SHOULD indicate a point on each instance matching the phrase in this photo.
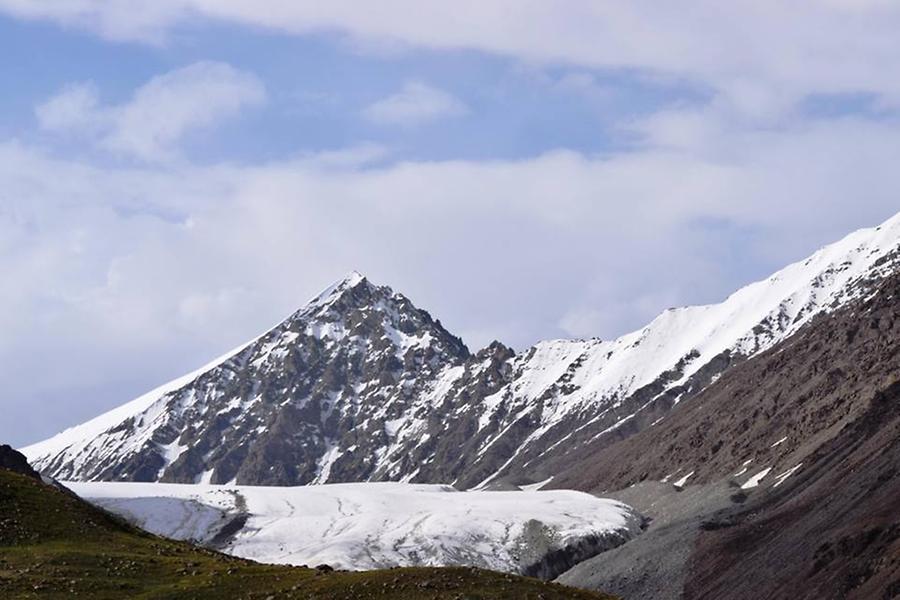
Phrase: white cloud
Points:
(764, 53)
(415, 104)
(160, 112)
(114, 19)
(73, 109)
(585, 84)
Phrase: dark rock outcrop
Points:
(15, 461)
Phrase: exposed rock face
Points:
(362, 385)
(551, 563)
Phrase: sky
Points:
(178, 176)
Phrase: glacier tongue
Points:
(360, 385)
(379, 525)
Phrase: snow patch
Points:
(744, 468)
(754, 481)
(535, 487)
(782, 477)
(680, 483)
(332, 453)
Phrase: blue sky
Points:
(176, 177)
(319, 86)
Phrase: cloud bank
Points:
(124, 273)
(760, 53)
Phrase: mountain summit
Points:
(361, 385)
(334, 380)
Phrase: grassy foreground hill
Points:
(54, 545)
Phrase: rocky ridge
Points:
(780, 480)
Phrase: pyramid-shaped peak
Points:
(352, 279)
(335, 290)
(355, 302)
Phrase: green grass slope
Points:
(53, 545)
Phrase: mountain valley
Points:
(754, 442)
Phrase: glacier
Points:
(361, 526)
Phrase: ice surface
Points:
(366, 525)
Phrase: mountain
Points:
(780, 480)
(326, 395)
(55, 546)
(360, 385)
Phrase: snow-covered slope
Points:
(81, 436)
(575, 391)
(360, 385)
(375, 525)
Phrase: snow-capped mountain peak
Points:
(355, 347)
(361, 385)
(334, 291)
